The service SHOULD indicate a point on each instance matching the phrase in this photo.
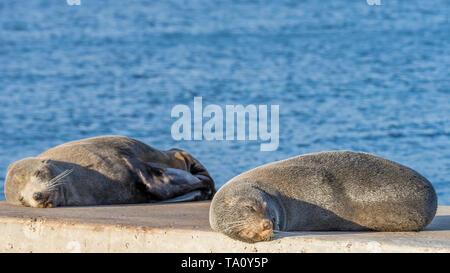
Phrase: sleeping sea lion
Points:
(106, 170)
(327, 191)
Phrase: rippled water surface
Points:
(345, 74)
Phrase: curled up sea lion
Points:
(106, 170)
(327, 191)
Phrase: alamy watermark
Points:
(73, 2)
(213, 128)
(373, 2)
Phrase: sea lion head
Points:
(243, 214)
(35, 183)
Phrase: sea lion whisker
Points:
(49, 190)
(234, 227)
(236, 222)
(52, 187)
(59, 182)
(60, 176)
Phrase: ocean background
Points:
(346, 75)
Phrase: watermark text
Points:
(213, 128)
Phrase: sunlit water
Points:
(345, 74)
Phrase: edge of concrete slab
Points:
(40, 234)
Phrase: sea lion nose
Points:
(266, 224)
(38, 196)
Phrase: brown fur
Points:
(105, 170)
(326, 191)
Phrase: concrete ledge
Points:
(184, 227)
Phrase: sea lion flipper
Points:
(179, 182)
(145, 176)
(164, 183)
(198, 170)
(190, 196)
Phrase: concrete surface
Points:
(184, 227)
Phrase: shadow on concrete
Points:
(440, 222)
(137, 205)
(285, 234)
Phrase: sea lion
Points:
(337, 190)
(106, 170)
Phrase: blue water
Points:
(345, 74)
